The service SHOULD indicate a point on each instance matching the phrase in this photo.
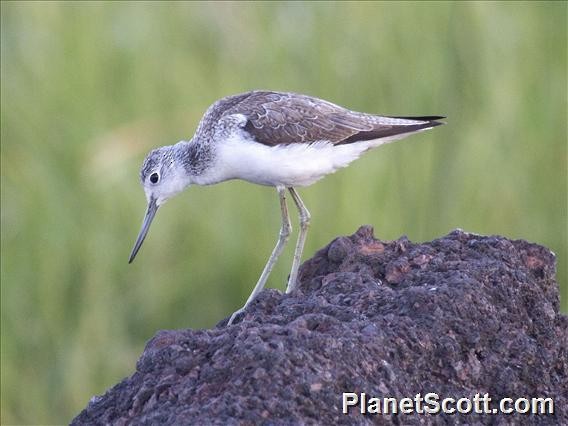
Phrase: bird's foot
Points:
(240, 311)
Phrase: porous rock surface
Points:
(460, 315)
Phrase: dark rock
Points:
(459, 316)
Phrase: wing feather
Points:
(275, 118)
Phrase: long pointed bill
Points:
(150, 213)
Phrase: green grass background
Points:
(88, 88)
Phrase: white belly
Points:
(287, 165)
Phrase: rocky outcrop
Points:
(459, 316)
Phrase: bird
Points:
(280, 139)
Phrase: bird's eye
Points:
(154, 177)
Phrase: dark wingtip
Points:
(432, 120)
(424, 118)
(436, 123)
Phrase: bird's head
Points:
(162, 176)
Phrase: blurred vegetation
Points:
(88, 88)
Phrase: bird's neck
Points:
(196, 159)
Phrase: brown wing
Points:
(275, 118)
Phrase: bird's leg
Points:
(283, 237)
(304, 225)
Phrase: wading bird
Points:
(284, 140)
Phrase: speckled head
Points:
(162, 175)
